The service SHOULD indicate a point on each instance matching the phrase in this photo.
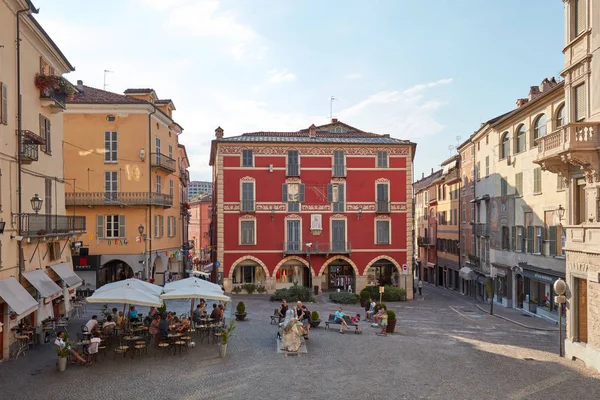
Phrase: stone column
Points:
(227, 285)
(5, 330)
(361, 283)
(271, 284)
(317, 282)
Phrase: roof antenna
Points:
(105, 72)
(331, 100)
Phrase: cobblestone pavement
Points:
(444, 348)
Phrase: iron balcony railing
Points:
(47, 224)
(317, 248)
(424, 242)
(58, 99)
(383, 206)
(482, 229)
(293, 170)
(117, 198)
(339, 170)
(162, 161)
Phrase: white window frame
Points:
(171, 188)
(382, 159)
(253, 182)
(111, 147)
(243, 158)
(240, 236)
(112, 219)
(158, 184)
(389, 232)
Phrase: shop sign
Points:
(404, 269)
(539, 276)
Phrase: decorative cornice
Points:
(247, 179)
(248, 217)
(324, 150)
(293, 216)
(338, 216)
(382, 180)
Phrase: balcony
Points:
(163, 162)
(39, 225)
(339, 170)
(184, 176)
(53, 99)
(575, 144)
(293, 170)
(118, 198)
(317, 248)
(29, 146)
(424, 242)
(382, 207)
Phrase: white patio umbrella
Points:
(140, 285)
(193, 282)
(127, 294)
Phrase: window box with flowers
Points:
(54, 90)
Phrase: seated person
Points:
(153, 329)
(109, 325)
(306, 322)
(92, 348)
(120, 321)
(283, 307)
(60, 344)
(92, 324)
(197, 315)
(150, 317)
(169, 317)
(175, 323)
(221, 312)
(339, 318)
(183, 326)
(380, 312)
(371, 310)
(356, 321)
(132, 314)
(215, 313)
(163, 330)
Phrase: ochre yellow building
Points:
(128, 178)
(36, 234)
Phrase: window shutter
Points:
(513, 242)
(529, 239)
(156, 226)
(341, 194)
(48, 136)
(284, 193)
(174, 226)
(42, 131)
(169, 227)
(552, 239)
(4, 107)
(386, 230)
(161, 220)
(122, 225)
(329, 193)
(301, 193)
(99, 226)
(580, 104)
(42, 72)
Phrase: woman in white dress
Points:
(291, 333)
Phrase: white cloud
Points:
(417, 89)
(353, 76)
(277, 76)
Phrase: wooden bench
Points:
(333, 321)
(276, 317)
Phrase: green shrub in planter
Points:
(293, 294)
(261, 289)
(250, 288)
(241, 307)
(391, 315)
(314, 316)
(236, 290)
(343, 297)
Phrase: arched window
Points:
(560, 116)
(520, 144)
(504, 146)
(539, 127)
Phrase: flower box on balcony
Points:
(54, 87)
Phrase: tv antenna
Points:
(106, 72)
(331, 100)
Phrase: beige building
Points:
(36, 234)
(131, 187)
(571, 151)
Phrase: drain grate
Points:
(529, 359)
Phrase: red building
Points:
(199, 228)
(327, 206)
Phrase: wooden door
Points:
(582, 325)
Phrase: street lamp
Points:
(141, 229)
(36, 203)
(561, 213)
(560, 288)
(308, 246)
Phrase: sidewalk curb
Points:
(516, 322)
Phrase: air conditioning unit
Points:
(142, 154)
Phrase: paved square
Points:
(444, 348)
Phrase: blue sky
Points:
(427, 71)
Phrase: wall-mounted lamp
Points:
(359, 212)
(560, 213)
(36, 203)
(272, 213)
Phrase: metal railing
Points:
(117, 198)
(160, 160)
(317, 248)
(48, 224)
(339, 170)
(383, 206)
(482, 229)
(58, 97)
(29, 152)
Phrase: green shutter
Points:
(529, 239)
(552, 240)
(99, 226)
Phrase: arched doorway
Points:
(292, 270)
(114, 270)
(248, 271)
(339, 273)
(383, 271)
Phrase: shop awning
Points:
(17, 298)
(208, 268)
(501, 269)
(67, 275)
(540, 277)
(42, 283)
(481, 279)
(467, 273)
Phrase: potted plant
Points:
(533, 305)
(63, 353)
(391, 321)
(240, 314)
(226, 334)
(314, 319)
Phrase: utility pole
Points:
(331, 100)
(105, 72)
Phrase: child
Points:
(384, 322)
(356, 321)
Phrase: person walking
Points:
(420, 286)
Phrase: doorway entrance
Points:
(581, 313)
(340, 275)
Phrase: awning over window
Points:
(42, 283)
(17, 297)
(67, 275)
(467, 274)
(208, 268)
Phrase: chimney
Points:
(80, 86)
(312, 131)
(219, 133)
(521, 102)
(431, 171)
(422, 175)
(334, 120)
(534, 91)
